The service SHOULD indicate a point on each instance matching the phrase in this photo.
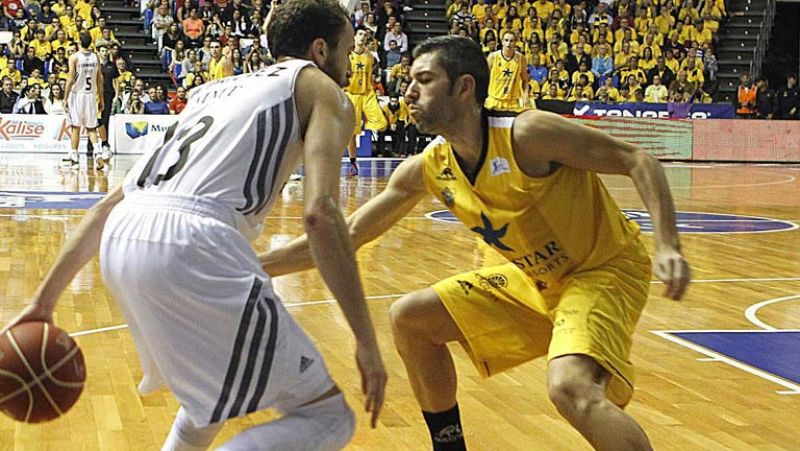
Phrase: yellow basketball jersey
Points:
(361, 67)
(505, 79)
(549, 227)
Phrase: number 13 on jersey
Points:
(182, 142)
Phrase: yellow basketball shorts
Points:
(507, 321)
(514, 105)
(367, 105)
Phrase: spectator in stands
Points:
(193, 29)
(360, 15)
(789, 99)
(11, 9)
(576, 57)
(393, 54)
(600, 16)
(162, 19)
(662, 71)
(31, 62)
(766, 104)
(12, 72)
(42, 47)
(602, 65)
(168, 42)
(54, 103)
(105, 39)
(396, 34)
(177, 55)
(252, 63)
(179, 102)
(123, 73)
(710, 63)
(682, 84)
(371, 24)
(552, 93)
(30, 101)
(36, 79)
(204, 54)
(8, 97)
(656, 92)
(158, 103)
(536, 70)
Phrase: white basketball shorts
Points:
(82, 110)
(202, 313)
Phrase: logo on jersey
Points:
(493, 280)
(500, 166)
(446, 175)
(137, 129)
(305, 362)
(466, 286)
(491, 235)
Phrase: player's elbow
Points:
(320, 216)
(641, 162)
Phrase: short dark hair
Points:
(86, 39)
(459, 56)
(297, 23)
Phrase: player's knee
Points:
(574, 397)
(405, 317)
(334, 420)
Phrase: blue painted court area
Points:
(775, 352)
(688, 222)
(58, 200)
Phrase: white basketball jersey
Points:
(236, 142)
(86, 73)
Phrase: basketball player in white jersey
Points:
(174, 250)
(83, 98)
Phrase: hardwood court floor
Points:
(683, 403)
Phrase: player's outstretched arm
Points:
(373, 219)
(80, 247)
(329, 128)
(542, 137)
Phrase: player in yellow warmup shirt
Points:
(361, 92)
(508, 79)
(577, 275)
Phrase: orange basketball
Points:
(41, 372)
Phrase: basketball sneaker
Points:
(353, 170)
(69, 163)
(98, 163)
(106, 153)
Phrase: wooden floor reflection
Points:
(684, 399)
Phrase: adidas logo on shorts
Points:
(305, 362)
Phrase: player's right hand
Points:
(373, 378)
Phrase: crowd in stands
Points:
(612, 51)
(607, 51)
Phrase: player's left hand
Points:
(672, 269)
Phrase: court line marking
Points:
(752, 312)
(391, 296)
(793, 389)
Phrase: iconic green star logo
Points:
(490, 235)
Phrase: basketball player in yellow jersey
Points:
(508, 79)
(577, 276)
(362, 93)
(220, 65)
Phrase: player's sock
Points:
(445, 429)
(185, 436)
(353, 161)
(324, 425)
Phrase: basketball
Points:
(41, 372)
